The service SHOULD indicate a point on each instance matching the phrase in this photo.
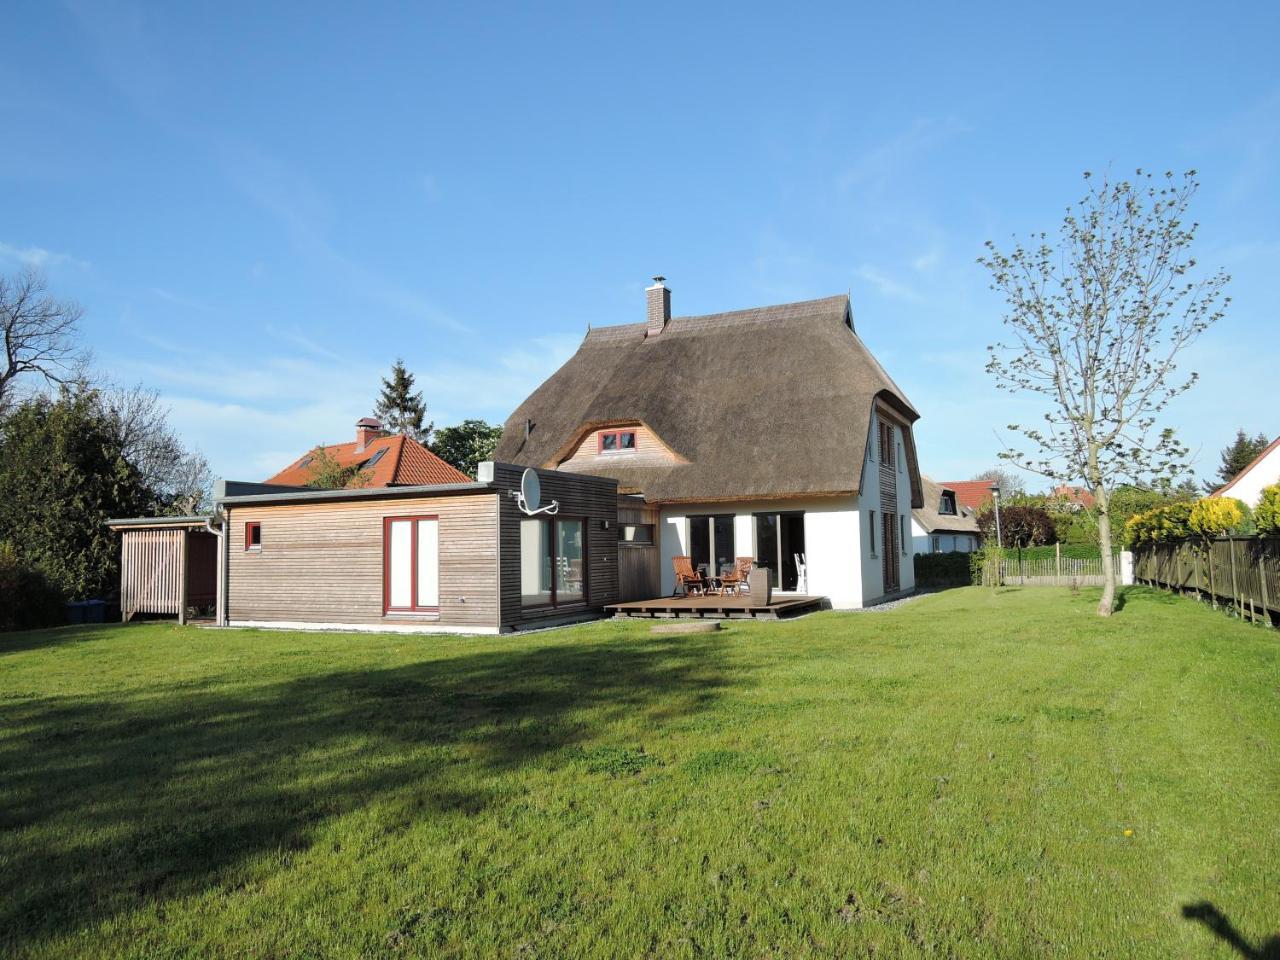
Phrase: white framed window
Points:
(871, 531)
(902, 527)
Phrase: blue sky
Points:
(261, 208)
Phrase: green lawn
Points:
(976, 774)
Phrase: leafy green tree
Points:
(467, 445)
(1237, 455)
(1097, 323)
(1267, 514)
(63, 473)
(400, 408)
(326, 473)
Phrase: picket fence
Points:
(1056, 571)
(1239, 572)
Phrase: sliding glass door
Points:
(711, 543)
(780, 547)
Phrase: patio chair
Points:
(687, 578)
(802, 573)
(735, 581)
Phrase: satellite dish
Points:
(531, 489)
(530, 496)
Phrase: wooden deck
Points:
(716, 608)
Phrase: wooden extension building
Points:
(469, 557)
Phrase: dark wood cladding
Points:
(639, 573)
(595, 500)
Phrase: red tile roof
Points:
(1078, 495)
(399, 462)
(974, 494)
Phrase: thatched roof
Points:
(769, 402)
(964, 521)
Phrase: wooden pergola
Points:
(167, 565)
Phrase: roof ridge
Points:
(618, 331)
(395, 467)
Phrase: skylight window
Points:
(375, 458)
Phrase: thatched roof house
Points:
(771, 432)
(943, 523)
(765, 403)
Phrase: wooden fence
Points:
(1056, 571)
(1240, 572)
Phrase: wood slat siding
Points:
(593, 498)
(151, 566)
(891, 538)
(322, 562)
(639, 572)
(648, 448)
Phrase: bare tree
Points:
(1010, 484)
(41, 333)
(1097, 325)
(179, 478)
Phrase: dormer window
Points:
(947, 506)
(617, 441)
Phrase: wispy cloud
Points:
(880, 165)
(38, 257)
(251, 417)
(186, 303)
(886, 285)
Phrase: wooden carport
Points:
(167, 565)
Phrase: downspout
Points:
(220, 600)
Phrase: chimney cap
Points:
(658, 280)
(369, 422)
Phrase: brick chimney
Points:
(368, 429)
(659, 299)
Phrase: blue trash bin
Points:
(75, 611)
(95, 611)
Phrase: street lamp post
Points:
(995, 495)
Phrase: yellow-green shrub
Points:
(1267, 514)
(1216, 516)
(1163, 524)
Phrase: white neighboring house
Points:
(942, 525)
(1248, 483)
(770, 433)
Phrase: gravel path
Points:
(893, 604)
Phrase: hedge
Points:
(942, 569)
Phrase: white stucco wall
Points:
(831, 535)
(1248, 486)
(922, 541)
(872, 569)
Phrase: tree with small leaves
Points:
(400, 408)
(466, 445)
(1010, 484)
(1237, 455)
(1097, 325)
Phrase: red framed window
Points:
(616, 441)
(253, 535)
(411, 564)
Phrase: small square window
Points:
(253, 536)
(617, 441)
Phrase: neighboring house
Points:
(382, 459)
(1074, 498)
(943, 524)
(972, 494)
(1247, 485)
(770, 432)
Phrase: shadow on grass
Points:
(108, 803)
(23, 640)
(1217, 923)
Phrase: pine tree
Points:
(1236, 456)
(400, 409)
